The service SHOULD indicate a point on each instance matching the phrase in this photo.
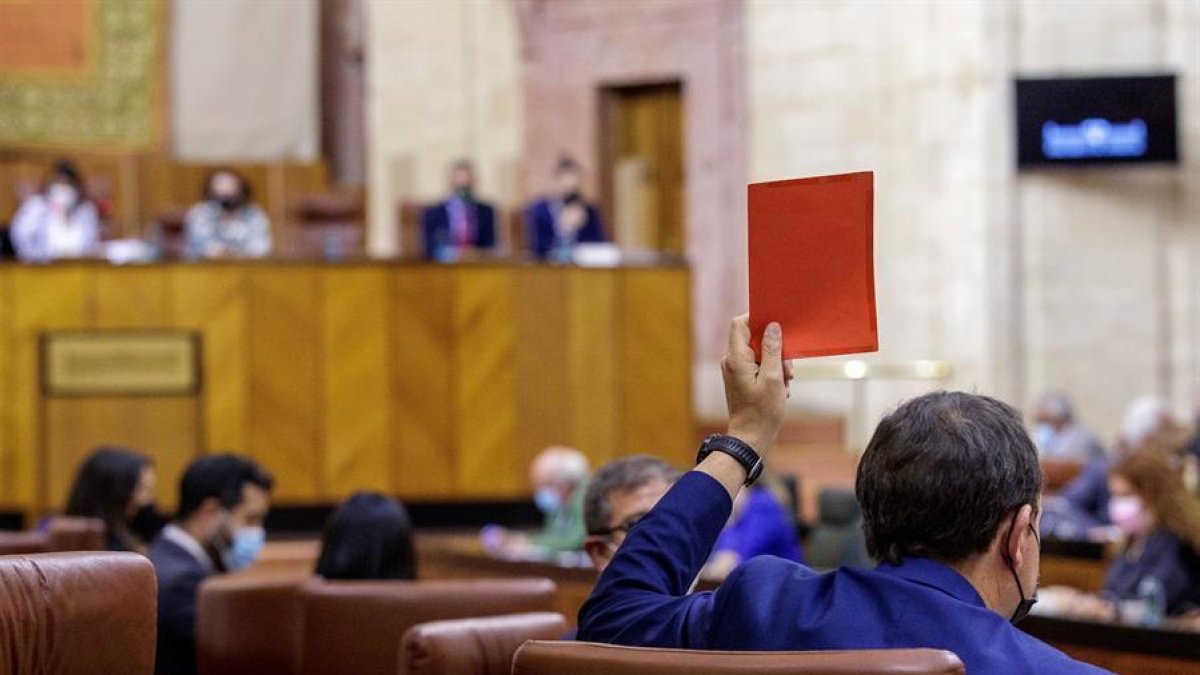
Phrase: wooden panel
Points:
(166, 429)
(655, 366)
(7, 466)
(594, 405)
(42, 298)
(215, 302)
(129, 297)
(424, 453)
(356, 364)
(543, 414)
(489, 464)
(285, 431)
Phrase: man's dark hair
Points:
(220, 476)
(625, 473)
(941, 473)
(369, 537)
(566, 163)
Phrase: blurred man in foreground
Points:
(950, 489)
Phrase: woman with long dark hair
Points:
(369, 537)
(118, 486)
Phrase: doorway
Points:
(642, 175)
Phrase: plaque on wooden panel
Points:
(120, 363)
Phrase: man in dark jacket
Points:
(223, 501)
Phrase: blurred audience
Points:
(1159, 523)
(1080, 510)
(223, 503)
(57, 222)
(559, 476)
(118, 486)
(461, 223)
(226, 224)
(559, 221)
(369, 537)
(617, 497)
(758, 525)
(1058, 434)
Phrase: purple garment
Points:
(763, 528)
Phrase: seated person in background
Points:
(59, 221)
(369, 537)
(618, 496)
(1059, 435)
(760, 525)
(226, 224)
(1080, 509)
(1160, 527)
(223, 502)
(118, 486)
(950, 490)
(461, 222)
(557, 222)
(559, 476)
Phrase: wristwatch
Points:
(735, 448)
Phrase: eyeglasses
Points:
(623, 527)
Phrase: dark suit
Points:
(771, 604)
(179, 576)
(1165, 557)
(435, 224)
(539, 219)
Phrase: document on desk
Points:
(812, 263)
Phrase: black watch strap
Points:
(735, 448)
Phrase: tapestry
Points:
(81, 73)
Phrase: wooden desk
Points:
(427, 382)
(1121, 648)
(1078, 564)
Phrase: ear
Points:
(598, 550)
(1016, 536)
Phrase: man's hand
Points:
(756, 394)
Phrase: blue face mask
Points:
(247, 544)
(1044, 436)
(547, 500)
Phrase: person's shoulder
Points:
(1043, 658)
(764, 569)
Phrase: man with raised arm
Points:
(950, 491)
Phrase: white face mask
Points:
(61, 195)
(1128, 513)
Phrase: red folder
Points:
(812, 263)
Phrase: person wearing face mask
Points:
(460, 224)
(223, 503)
(1159, 521)
(557, 222)
(226, 224)
(118, 486)
(1059, 435)
(59, 221)
(559, 476)
(950, 490)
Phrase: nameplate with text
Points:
(120, 363)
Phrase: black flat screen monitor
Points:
(1096, 120)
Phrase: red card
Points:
(812, 264)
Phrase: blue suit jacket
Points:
(435, 224)
(773, 604)
(179, 577)
(539, 219)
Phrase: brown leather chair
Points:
(478, 646)
(73, 533)
(77, 614)
(248, 625)
(15, 543)
(355, 626)
(585, 658)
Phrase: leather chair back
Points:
(248, 625)
(584, 658)
(16, 543)
(837, 540)
(356, 626)
(73, 533)
(77, 614)
(479, 646)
